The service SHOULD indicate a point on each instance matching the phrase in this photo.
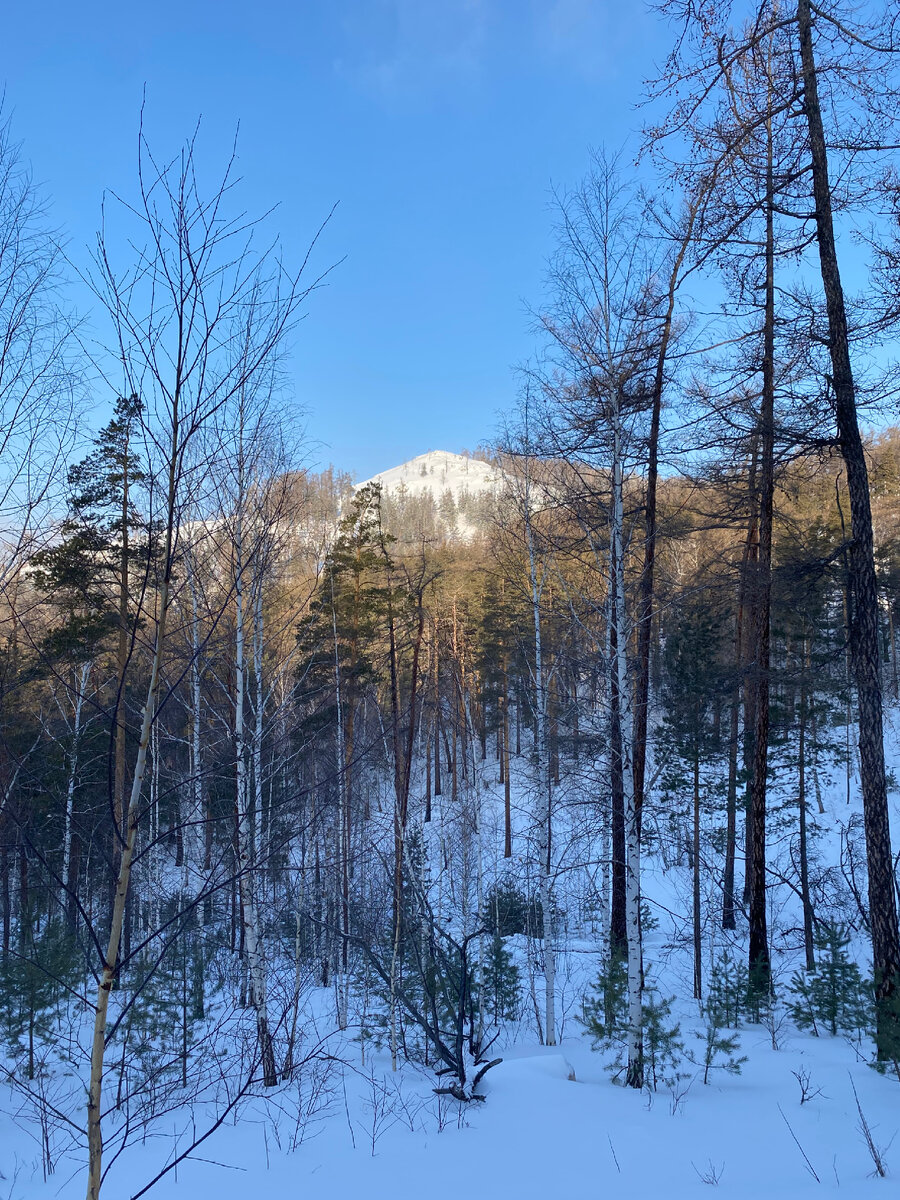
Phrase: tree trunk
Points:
(728, 921)
(68, 897)
(618, 928)
(759, 961)
(123, 879)
(804, 855)
(698, 930)
(343, 822)
(507, 787)
(199, 846)
(634, 1076)
(647, 593)
(545, 797)
(864, 616)
(253, 950)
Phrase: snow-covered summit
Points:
(439, 494)
(438, 471)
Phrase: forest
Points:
(303, 781)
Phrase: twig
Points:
(810, 1167)
(875, 1151)
(613, 1152)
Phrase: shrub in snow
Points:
(428, 1003)
(760, 996)
(501, 990)
(649, 921)
(727, 993)
(34, 981)
(605, 1015)
(663, 1047)
(834, 999)
(720, 1051)
(605, 1010)
(507, 910)
(890, 1062)
(160, 1031)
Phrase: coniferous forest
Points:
(325, 807)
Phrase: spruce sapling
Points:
(836, 998)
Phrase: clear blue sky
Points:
(437, 125)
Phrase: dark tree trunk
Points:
(863, 625)
(759, 962)
(5, 893)
(507, 791)
(803, 848)
(437, 753)
(427, 779)
(750, 622)
(647, 592)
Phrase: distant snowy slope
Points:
(439, 471)
(439, 493)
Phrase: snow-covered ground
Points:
(553, 1122)
(539, 1133)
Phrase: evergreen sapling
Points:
(835, 999)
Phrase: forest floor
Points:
(554, 1122)
(539, 1133)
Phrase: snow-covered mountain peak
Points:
(439, 494)
(438, 471)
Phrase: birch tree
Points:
(607, 321)
(176, 275)
(252, 460)
(527, 503)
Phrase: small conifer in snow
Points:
(835, 999)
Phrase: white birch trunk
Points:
(634, 1076)
(194, 849)
(245, 841)
(545, 802)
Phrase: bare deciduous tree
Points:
(198, 314)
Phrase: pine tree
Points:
(501, 989)
(727, 993)
(693, 678)
(720, 1050)
(86, 573)
(661, 1040)
(36, 977)
(835, 998)
(605, 1011)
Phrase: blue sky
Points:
(437, 126)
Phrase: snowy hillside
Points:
(439, 493)
(438, 471)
